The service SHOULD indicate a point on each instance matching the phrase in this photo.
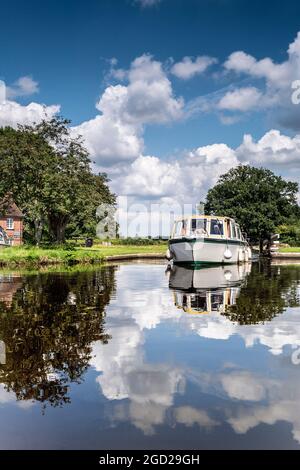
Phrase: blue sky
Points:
(65, 45)
(83, 56)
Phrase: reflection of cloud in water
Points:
(145, 391)
(190, 416)
(10, 397)
(280, 401)
(282, 331)
(149, 387)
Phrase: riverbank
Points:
(33, 256)
(290, 249)
(287, 253)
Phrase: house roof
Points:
(9, 208)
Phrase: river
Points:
(138, 356)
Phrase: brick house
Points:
(11, 223)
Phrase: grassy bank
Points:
(23, 256)
(290, 249)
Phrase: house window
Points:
(10, 223)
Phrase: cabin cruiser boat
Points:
(208, 240)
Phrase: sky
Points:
(166, 94)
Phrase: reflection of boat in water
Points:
(206, 290)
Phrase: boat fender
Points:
(227, 254)
(169, 255)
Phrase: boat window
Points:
(228, 228)
(233, 231)
(177, 228)
(198, 303)
(238, 232)
(216, 227)
(199, 226)
(180, 228)
(217, 301)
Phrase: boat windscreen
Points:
(199, 226)
(216, 227)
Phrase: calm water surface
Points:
(137, 356)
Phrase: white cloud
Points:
(151, 177)
(12, 113)
(24, 86)
(150, 97)
(184, 179)
(189, 67)
(116, 134)
(273, 148)
(278, 78)
(110, 142)
(241, 99)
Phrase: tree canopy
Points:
(256, 198)
(48, 174)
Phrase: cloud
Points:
(152, 177)
(149, 94)
(184, 179)
(110, 142)
(241, 99)
(12, 113)
(277, 78)
(116, 134)
(272, 149)
(191, 416)
(190, 67)
(241, 385)
(24, 86)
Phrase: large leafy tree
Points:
(256, 198)
(27, 163)
(48, 173)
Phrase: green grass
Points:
(27, 255)
(290, 249)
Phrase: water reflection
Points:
(155, 354)
(205, 290)
(47, 326)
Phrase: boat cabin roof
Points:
(209, 217)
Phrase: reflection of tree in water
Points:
(48, 331)
(267, 292)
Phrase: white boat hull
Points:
(209, 251)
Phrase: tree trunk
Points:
(38, 231)
(261, 245)
(58, 224)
